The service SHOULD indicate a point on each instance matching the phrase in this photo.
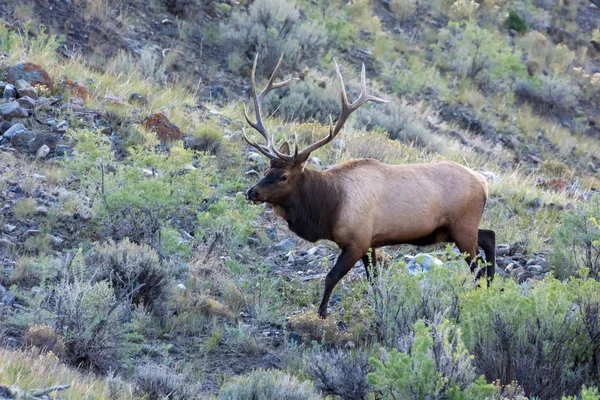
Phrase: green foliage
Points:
(269, 28)
(542, 338)
(42, 45)
(402, 122)
(408, 376)
(515, 22)
(303, 102)
(133, 270)
(550, 94)
(230, 219)
(477, 53)
(266, 385)
(159, 382)
(577, 241)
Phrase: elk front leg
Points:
(344, 263)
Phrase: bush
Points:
(401, 122)
(404, 9)
(269, 28)
(515, 22)
(463, 9)
(552, 94)
(157, 382)
(134, 271)
(544, 338)
(577, 241)
(477, 53)
(339, 373)
(266, 385)
(303, 102)
(42, 337)
(90, 319)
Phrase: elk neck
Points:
(312, 211)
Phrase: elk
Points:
(364, 204)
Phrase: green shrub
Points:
(404, 9)
(553, 94)
(157, 382)
(266, 385)
(544, 338)
(402, 122)
(339, 373)
(477, 53)
(303, 102)
(133, 270)
(576, 241)
(269, 28)
(515, 22)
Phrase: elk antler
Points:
(301, 156)
(347, 109)
(267, 149)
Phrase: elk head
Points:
(285, 172)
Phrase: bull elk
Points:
(363, 204)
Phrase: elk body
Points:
(364, 204)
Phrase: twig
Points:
(43, 392)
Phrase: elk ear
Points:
(285, 148)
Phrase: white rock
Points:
(42, 152)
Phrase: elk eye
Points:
(283, 178)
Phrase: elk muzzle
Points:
(252, 195)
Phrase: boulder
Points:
(422, 263)
(25, 89)
(77, 89)
(13, 110)
(30, 73)
(164, 129)
(9, 92)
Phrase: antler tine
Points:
(347, 109)
(268, 150)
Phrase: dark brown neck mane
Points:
(313, 212)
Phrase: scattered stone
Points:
(41, 210)
(311, 277)
(13, 130)
(55, 240)
(335, 299)
(63, 150)
(9, 92)
(32, 232)
(8, 228)
(114, 101)
(137, 98)
(21, 138)
(30, 73)
(272, 233)
(46, 139)
(148, 173)
(285, 245)
(350, 345)
(164, 129)
(510, 267)
(535, 268)
(4, 126)
(502, 250)
(422, 263)
(25, 89)
(535, 203)
(9, 299)
(517, 271)
(490, 176)
(13, 110)
(181, 287)
(42, 152)
(27, 103)
(2, 291)
(43, 104)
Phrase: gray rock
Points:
(27, 103)
(25, 89)
(13, 110)
(41, 210)
(11, 131)
(422, 263)
(42, 152)
(63, 150)
(538, 269)
(9, 92)
(22, 138)
(4, 126)
(285, 245)
(8, 228)
(2, 291)
(272, 233)
(502, 250)
(45, 139)
(8, 299)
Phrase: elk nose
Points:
(252, 194)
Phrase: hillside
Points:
(133, 266)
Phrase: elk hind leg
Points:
(466, 241)
(486, 239)
(349, 256)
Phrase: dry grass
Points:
(30, 372)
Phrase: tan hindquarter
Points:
(392, 204)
